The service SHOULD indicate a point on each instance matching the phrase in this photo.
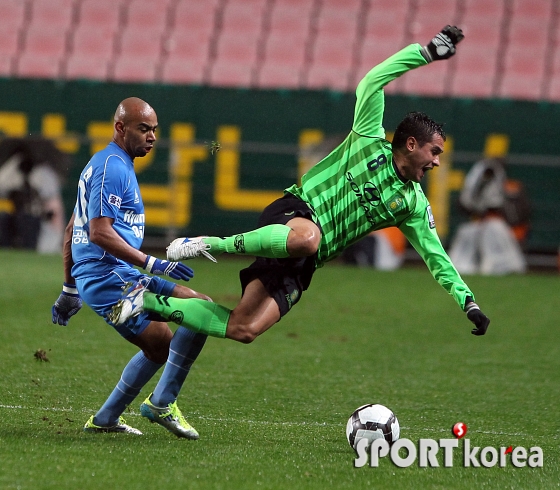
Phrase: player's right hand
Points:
(160, 267)
(442, 46)
(67, 305)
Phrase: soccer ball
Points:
(372, 422)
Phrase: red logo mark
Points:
(508, 450)
(459, 430)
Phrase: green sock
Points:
(269, 241)
(195, 314)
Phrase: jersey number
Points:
(377, 162)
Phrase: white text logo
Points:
(426, 452)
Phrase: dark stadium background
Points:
(274, 69)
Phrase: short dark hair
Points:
(418, 125)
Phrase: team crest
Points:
(176, 317)
(396, 203)
(239, 244)
(292, 298)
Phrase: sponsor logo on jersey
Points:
(115, 200)
(136, 197)
(368, 196)
(79, 235)
(132, 218)
(371, 194)
(239, 243)
(431, 220)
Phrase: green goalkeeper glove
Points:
(442, 46)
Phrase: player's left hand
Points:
(176, 270)
(67, 305)
(442, 46)
(480, 320)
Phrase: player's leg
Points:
(299, 237)
(183, 351)
(283, 281)
(153, 337)
(153, 341)
(285, 230)
(271, 288)
(161, 405)
(304, 239)
(254, 314)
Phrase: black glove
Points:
(480, 320)
(443, 45)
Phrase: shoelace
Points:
(177, 415)
(193, 247)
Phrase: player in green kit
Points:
(365, 184)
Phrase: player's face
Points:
(140, 133)
(422, 158)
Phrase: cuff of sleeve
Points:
(149, 264)
(425, 52)
(70, 289)
(471, 306)
(468, 299)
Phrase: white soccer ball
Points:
(372, 422)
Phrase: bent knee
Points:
(157, 355)
(305, 242)
(310, 243)
(242, 333)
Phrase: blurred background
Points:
(271, 81)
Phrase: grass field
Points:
(273, 414)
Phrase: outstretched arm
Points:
(370, 99)
(420, 232)
(370, 103)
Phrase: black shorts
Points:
(283, 279)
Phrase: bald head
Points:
(132, 107)
(135, 123)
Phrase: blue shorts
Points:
(100, 293)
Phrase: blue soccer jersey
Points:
(107, 188)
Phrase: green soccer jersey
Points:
(357, 189)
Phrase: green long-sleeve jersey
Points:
(357, 188)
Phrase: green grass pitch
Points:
(273, 414)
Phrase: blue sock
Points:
(136, 374)
(183, 351)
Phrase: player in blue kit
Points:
(101, 246)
